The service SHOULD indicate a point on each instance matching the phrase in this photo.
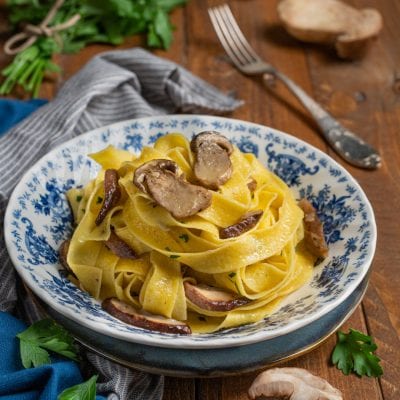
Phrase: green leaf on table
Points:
(354, 352)
(42, 336)
(83, 391)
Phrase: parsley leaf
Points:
(42, 336)
(354, 352)
(184, 237)
(83, 391)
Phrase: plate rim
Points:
(183, 341)
(206, 372)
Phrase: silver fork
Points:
(348, 145)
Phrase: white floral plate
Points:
(38, 219)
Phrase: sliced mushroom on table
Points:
(292, 384)
(213, 299)
(247, 222)
(313, 230)
(112, 194)
(213, 166)
(131, 316)
(119, 247)
(166, 185)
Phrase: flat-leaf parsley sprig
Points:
(354, 352)
(42, 336)
(100, 21)
(83, 391)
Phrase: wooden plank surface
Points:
(365, 96)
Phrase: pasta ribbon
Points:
(263, 264)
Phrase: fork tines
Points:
(231, 37)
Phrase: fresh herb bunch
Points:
(102, 21)
(354, 352)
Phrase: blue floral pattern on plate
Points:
(38, 219)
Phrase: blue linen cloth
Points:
(14, 111)
(16, 382)
(41, 383)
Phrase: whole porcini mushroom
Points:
(292, 384)
(212, 167)
(166, 185)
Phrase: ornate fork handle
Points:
(349, 146)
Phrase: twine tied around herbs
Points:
(31, 32)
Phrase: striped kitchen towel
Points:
(113, 86)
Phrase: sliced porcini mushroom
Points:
(213, 299)
(63, 254)
(212, 167)
(119, 247)
(313, 231)
(131, 316)
(252, 184)
(163, 182)
(292, 384)
(248, 221)
(351, 30)
(112, 194)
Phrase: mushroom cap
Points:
(163, 182)
(149, 167)
(212, 166)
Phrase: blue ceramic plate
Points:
(219, 361)
(38, 219)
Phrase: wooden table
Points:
(365, 96)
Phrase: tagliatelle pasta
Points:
(262, 265)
